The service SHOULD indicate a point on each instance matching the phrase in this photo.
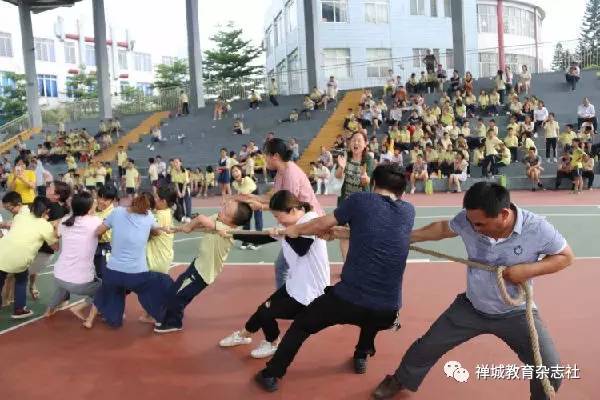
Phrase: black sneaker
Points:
(22, 313)
(268, 383)
(360, 365)
(164, 328)
(388, 388)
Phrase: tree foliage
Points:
(232, 58)
(175, 75)
(13, 98)
(589, 38)
(83, 85)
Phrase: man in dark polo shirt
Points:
(58, 194)
(369, 293)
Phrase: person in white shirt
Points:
(586, 113)
(307, 278)
(153, 174)
(161, 167)
(540, 116)
(572, 75)
(322, 176)
(332, 89)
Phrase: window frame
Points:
(417, 7)
(44, 50)
(6, 48)
(378, 6)
(340, 62)
(343, 11)
(382, 62)
(291, 16)
(47, 85)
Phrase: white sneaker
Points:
(253, 247)
(235, 339)
(243, 247)
(412, 191)
(265, 349)
(547, 160)
(555, 160)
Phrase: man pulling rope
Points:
(495, 232)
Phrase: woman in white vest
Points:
(307, 278)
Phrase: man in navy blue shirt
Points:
(369, 293)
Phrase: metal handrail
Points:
(14, 127)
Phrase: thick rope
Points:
(525, 294)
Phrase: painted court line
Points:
(31, 321)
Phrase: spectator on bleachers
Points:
(183, 103)
(516, 108)
(484, 102)
(504, 155)
(564, 169)
(238, 127)
(495, 102)
(489, 164)
(418, 173)
(508, 78)
(331, 89)
(459, 173)
(540, 116)
(565, 139)
(292, 117)
(308, 106)
(254, 100)
(412, 85)
(588, 170)
(527, 129)
(121, 161)
(577, 153)
(524, 80)
(573, 74)
(586, 113)
(390, 84)
(322, 175)
(273, 92)
(533, 168)
(219, 109)
(295, 147)
(500, 85)
(468, 82)
(551, 131)
(585, 135)
(319, 99)
(511, 142)
(441, 76)
(401, 94)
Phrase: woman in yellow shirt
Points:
(512, 142)
(484, 102)
(22, 181)
(181, 178)
(245, 185)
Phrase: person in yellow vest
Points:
(484, 102)
(22, 180)
(577, 153)
(565, 139)
(245, 185)
(512, 143)
(100, 174)
(131, 180)
(273, 92)
(121, 161)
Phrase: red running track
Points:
(57, 358)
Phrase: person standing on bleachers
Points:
(183, 103)
(273, 92)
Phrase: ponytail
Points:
(82, 204)
(285, 201)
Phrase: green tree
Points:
(83, 85)
(176, 75)
(232, 58)
(589, 38)
(560, 60)
(13, 99)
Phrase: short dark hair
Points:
(489, 197)
(12, 198)
(390, 177)
(40, 206)
(243, 214)
(280, 147)
(168, 194)
(63, 190)
(107, 192)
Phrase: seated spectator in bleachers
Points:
(445, 161)
(565, 139)
(254, 100)
(460, 110)
(470, 103)
(495, 102)
(412, 85)
(339, 144)
(455, 83)
(390, 84)
(295, 147)
(400, 94)
(395, 114)
(540, 116)
(419, 172)
(572, 75)
(468, 82)
(563, 169)
(511, 141)
(588, 170)
(516, 108)
(374, 146)
(322, 175)
(577, 153)
(533, 168)
(308, 106)
(459, 173)
(505, 155)
(524, 80)
(318, 98)
(484, 102)
(209, 180)
(527, 128)
(551, 131)
(396, 157)
(326, 157)
(238, 127)
(292, 117)
(441, 76)
(585, 135)
(431, 157)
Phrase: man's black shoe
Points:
(388, 388)
(268, 383)
(360, 365)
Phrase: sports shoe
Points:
(268, 383)
(360, 365)
(235, 339)
(253, 247)
(163, 328)
(555, 160)
(547, 160)
(265, 349)
(243, 247)
(22, 313)
(388, 388)
(412, 191)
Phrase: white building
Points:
(62, 47)
(358, 41)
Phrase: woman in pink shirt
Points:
(289, 177)
(74, 270)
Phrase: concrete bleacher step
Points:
(329, 131)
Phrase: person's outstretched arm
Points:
(316, 226)
(435, 231)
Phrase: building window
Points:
(44, 50)
(518, 21)
(417, 7)
(124, 85)
(145, 88)
(337, 63)
(276, 28)
(292, 15)
(5, 45)
(90, 56)
(434, 8)
(487, 20)
(122, 55)
(447, 8)
(47, 86)
(142, 62)
(268, 43)
(449, 59)
(282, 77)
(334, 10)
(379, 62)
(418, 56)
(515, 61)
(167, 60)
(377, 11)
(295, 75)
(70, 53)
(488, 64)
(6, 83)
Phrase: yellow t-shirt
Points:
(477, 156)
(246, 186)
(491, 144)
(528, 143)
(551, 129)
(179, 176)
(90, 177)
(121, 158)
(576, 159)
(417, 135)
(209, 179)
(106, 236)
(21, 244)
(213, 252)
(511, 141)
(566, 138)
(101, 175)
(159, 252)
(27, 193)
(484, 100)
(505, 156)
(404, 136)
(447, 119)
(71, 164)
(131, 175)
